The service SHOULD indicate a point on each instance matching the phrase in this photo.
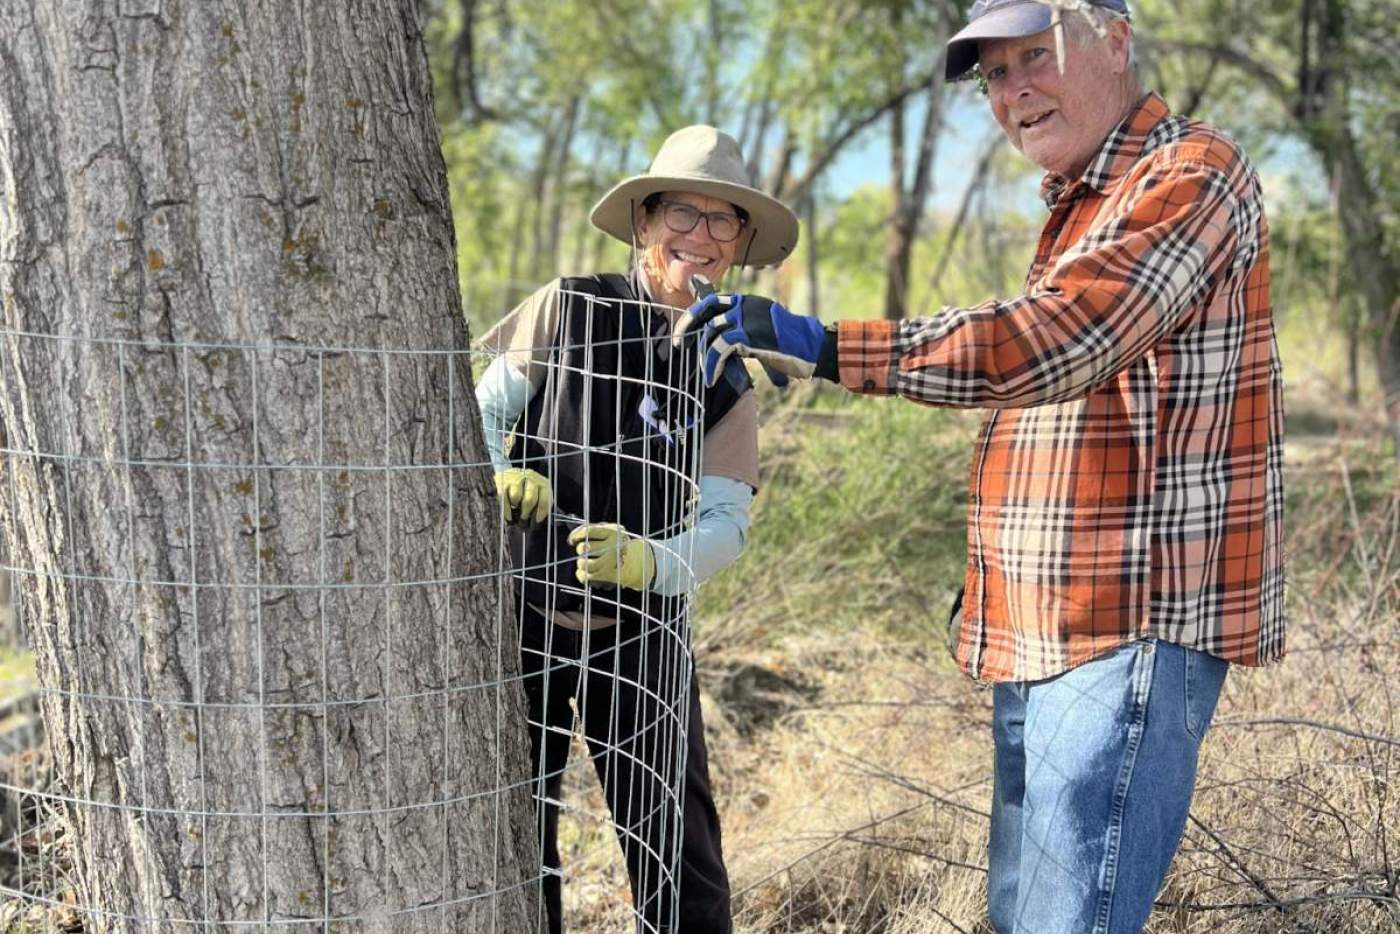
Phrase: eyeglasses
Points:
(682, 218)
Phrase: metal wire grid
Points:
(41, 809)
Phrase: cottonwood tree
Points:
(222, 576)
(1325, 72)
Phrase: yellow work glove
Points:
(609, 554)
(524, 494)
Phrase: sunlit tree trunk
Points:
(177, 177)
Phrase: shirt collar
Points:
(1129, 142)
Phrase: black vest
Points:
(614, 426)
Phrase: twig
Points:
(908, 784)
(1359, 539)
(913, 851)
(1313, 724)
(1287, 904)
(1238, 863)
(845, 835)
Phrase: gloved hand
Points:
(609, 554)
(752, 326)
(525, 495)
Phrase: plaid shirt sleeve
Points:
(1102, 305)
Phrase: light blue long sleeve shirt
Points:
(698, 553)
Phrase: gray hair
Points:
(1086, 25)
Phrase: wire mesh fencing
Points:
(296, 669)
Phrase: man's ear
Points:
(1120, 39)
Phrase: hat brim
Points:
(772, 225)
(1009, 22)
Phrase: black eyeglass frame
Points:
(664, 205)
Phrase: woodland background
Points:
(851, 760)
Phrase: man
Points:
(1126, 495)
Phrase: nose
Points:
(1017, 83)
(700, 233)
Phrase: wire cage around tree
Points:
(295, 669)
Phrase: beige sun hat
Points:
(704, 161)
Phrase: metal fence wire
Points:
(318, 762)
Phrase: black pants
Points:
(628, 692)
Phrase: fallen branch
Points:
(1311, 724)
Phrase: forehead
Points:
(702, 202)
(1003, 49)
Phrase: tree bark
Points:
(897, 244)
(256, 711)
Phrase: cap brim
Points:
(1009, 22)
(772, 225)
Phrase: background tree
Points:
(182, 183)
(798, 83)
(555, 102)
(1325, 72)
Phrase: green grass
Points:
(860, 522)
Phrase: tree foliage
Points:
(545, 105)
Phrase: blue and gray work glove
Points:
(787, 345)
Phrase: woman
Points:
(598, 488)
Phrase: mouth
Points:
(1036, 120)
(692, 259)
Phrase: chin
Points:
(680, 278)
(1051, 160)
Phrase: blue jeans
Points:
(1094, 774)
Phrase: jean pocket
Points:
(1204, 677)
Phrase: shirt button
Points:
(870, 384)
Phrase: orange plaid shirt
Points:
(1128, 481)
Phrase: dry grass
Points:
(853, 765)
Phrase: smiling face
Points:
(671, 258)
(1059, 121)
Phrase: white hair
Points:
(1089, 25)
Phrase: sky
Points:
(969, 123)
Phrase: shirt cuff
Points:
(827, 367)
(865, 356)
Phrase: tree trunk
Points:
(897, 244)
(1353, 332)
(271, 665)
(559, 184)
(908, 199)
(1375, 272)
(9, 630)
(714, 60)
(814, 280)
(974, 187)
(536, 198)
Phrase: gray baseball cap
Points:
(1004, 19)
